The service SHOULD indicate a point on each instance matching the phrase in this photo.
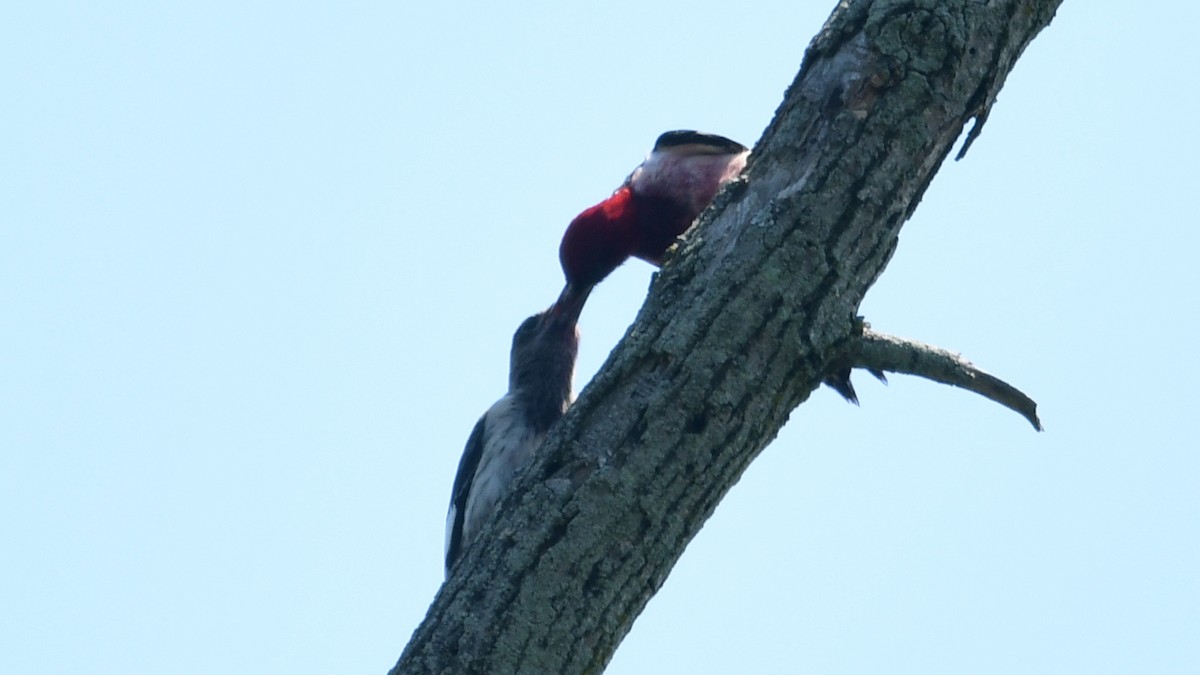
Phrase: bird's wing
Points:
(458, 495)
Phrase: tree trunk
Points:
(752, 311)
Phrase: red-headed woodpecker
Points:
(541, 367)
(655, 204)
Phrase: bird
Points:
(655, 204)
(540, 373)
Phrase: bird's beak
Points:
(570, 302)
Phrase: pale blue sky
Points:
(260, 265)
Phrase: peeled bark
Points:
(755, 307)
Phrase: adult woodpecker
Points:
(655, 204)
(541, 367)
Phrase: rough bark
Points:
(753, 310)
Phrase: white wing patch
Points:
(684, 174)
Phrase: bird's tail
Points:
(840, 382)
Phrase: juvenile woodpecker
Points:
(541, 367)
(655, 204)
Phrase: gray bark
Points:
(753, 310)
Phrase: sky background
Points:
(260, 264)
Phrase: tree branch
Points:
(877, 351)
(742, 324)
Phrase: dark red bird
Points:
(655, 204)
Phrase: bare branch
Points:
(877, 351)
(736, 332)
